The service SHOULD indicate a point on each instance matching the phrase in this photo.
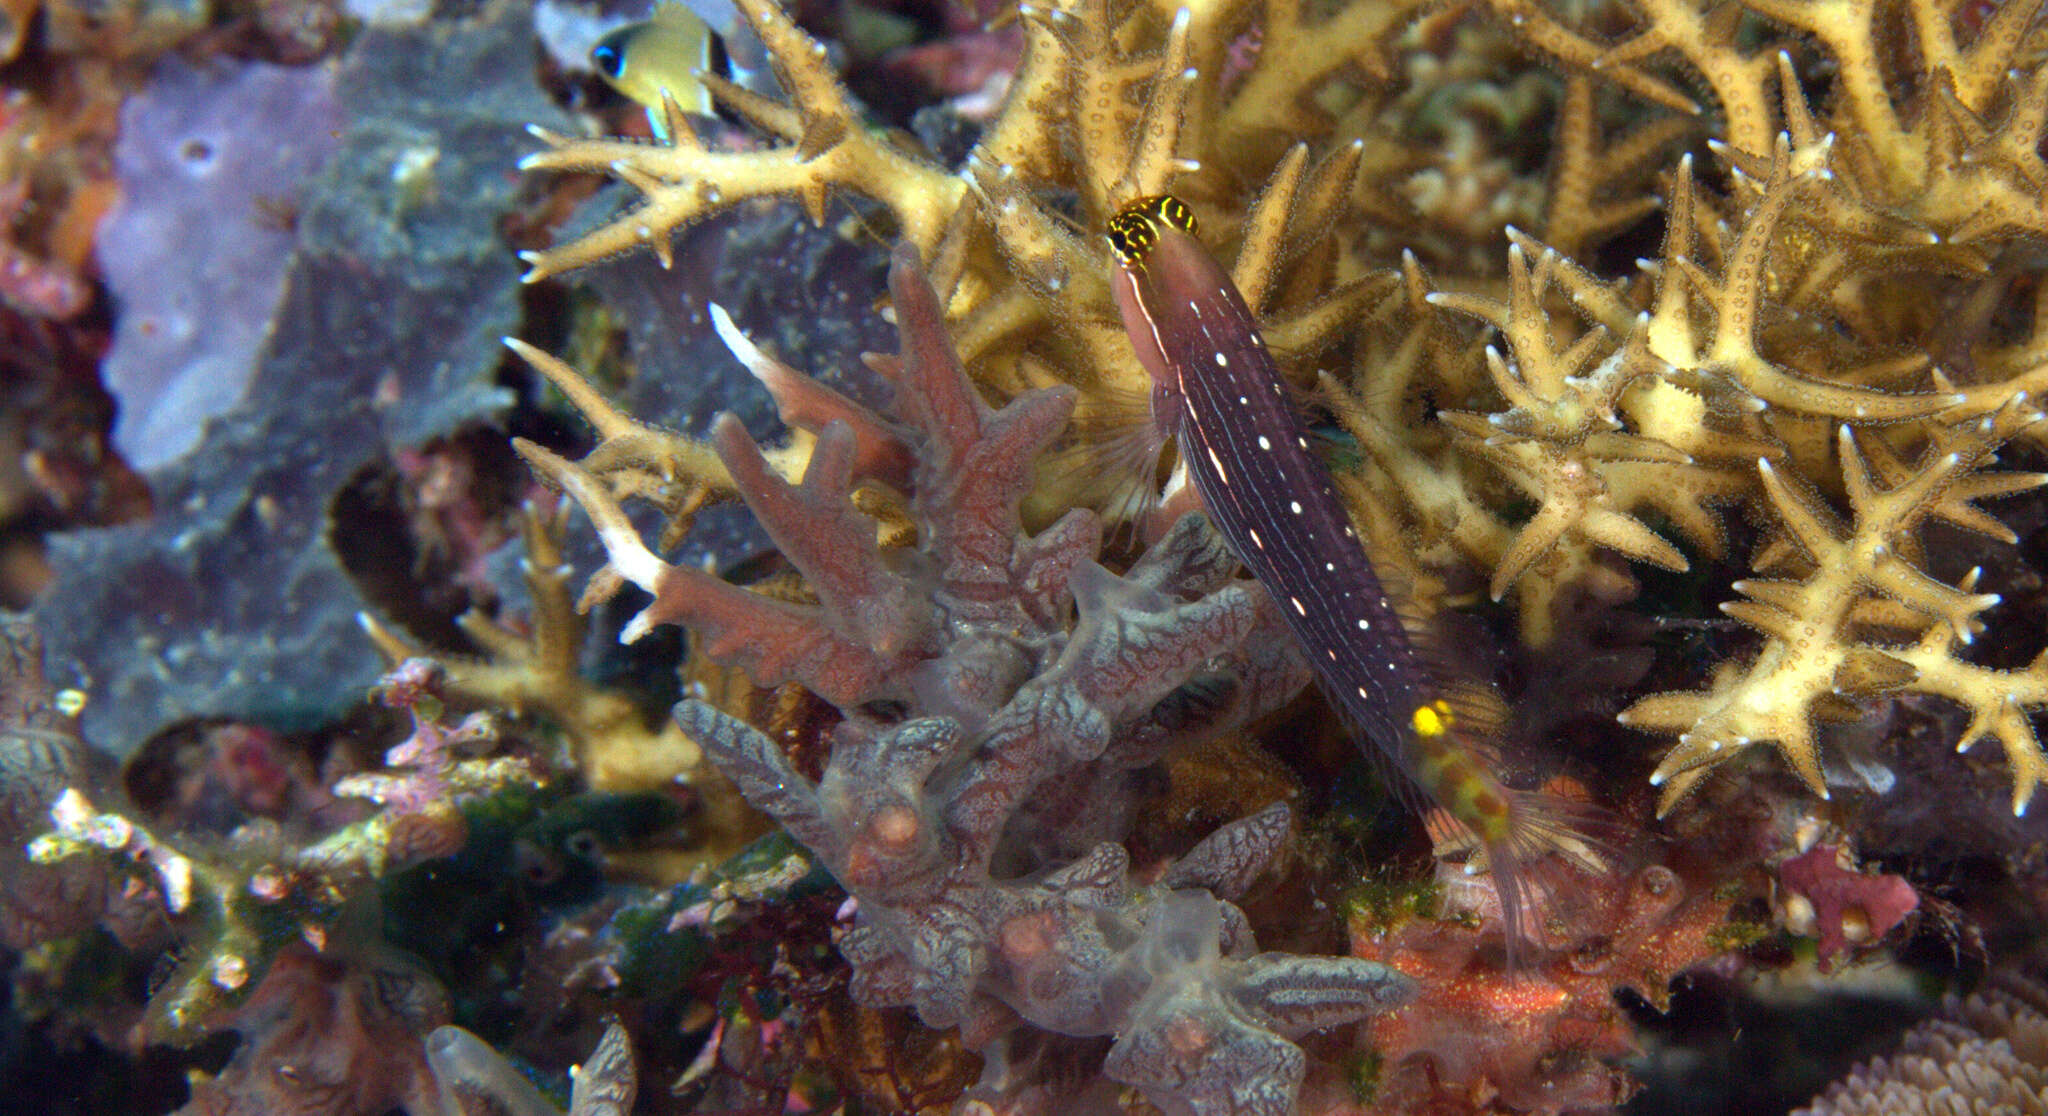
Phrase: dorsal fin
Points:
(674, 12)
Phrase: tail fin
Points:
(1557, 847)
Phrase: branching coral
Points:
(975, 788)
(1762, 358)
(536, 670)
(239, 903)
(1813, 661)
(1919, 142)
(1109, 101)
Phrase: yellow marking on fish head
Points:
(1135, 228)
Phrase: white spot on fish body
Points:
(1265, 443)
(1222, 361)
(1294, 506)
(1300, 611)
(1256, 540)
(1365, 625)
(1218, 462)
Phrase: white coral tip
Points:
(742, 349)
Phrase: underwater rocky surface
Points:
(527, 601)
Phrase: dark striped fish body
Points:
(1218, 393)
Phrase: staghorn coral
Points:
(1028, 291)
(1944, 138)
(1812, 664)
(1985, 1053)
(1805, 363)
(612, 746)
(976, 785)
(1607, 325)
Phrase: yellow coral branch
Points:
(1811, 661)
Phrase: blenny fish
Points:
(1216, 391)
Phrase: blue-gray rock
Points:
(231, 602)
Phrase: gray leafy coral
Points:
(997, 689)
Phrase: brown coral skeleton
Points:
(1217, 392)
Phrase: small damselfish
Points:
(1216, 391)
(663, 54)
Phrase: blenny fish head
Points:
(1153, 240)
(1136, 228)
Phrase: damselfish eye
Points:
(607, 59)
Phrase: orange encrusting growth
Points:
(1216, 390)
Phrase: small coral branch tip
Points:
(743, 350)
